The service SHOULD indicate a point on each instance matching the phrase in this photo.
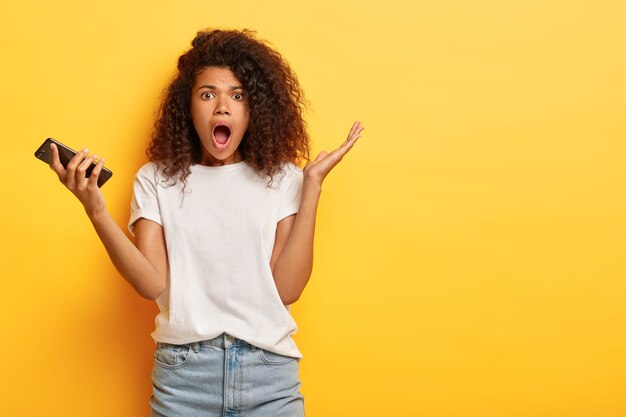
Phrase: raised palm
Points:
(317, 169)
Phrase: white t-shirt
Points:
(219, 240)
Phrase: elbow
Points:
(290, 285)
(289, 299)
(152, 293)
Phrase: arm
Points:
(292, 258)
(144, 266)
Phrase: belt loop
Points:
(196, 347)
(229, 340)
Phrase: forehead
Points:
(216, 76)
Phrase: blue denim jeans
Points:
(224, 377)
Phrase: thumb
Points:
(321, 156)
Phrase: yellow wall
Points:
(469, 251)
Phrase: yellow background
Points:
(469, 250)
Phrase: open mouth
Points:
(221, 134)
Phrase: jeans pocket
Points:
(272, 358)
(172, 356)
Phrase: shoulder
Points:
(148, 169)
(290, 171)
(151, 174)
(290, 176)
(291, 167)
(151, 171)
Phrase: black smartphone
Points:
(65, 154)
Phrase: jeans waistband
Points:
(222, 341)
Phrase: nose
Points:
(221, 106)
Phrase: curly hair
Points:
(276, 132)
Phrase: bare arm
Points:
(292, 258)
(144, 266)
(294, 245)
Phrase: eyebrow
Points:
(213, 87)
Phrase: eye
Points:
(238, 96)
(206, 95)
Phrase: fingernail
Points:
(86, 150)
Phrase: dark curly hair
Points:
(276, 132)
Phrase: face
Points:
(219, 110)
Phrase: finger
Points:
(345, 147)
(93, 178)
(338, 153)
(351, 132)
(354, 128)
(70, 175)
(55, 162)
(355, 131)
(77, 159)
(81, 177)
(349, 142)
(352, 138)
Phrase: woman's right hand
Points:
(73, 177)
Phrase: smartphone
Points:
(65, 154)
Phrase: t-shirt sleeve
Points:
(290, 201)
(144, 203)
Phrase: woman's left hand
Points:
(317, 169)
